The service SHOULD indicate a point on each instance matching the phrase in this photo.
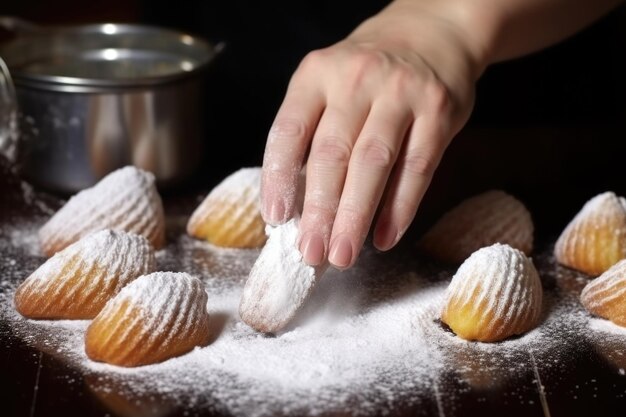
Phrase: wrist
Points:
(448, 34)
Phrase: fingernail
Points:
(312, 249)
(275, 214)
(341, 252)
(386, 236)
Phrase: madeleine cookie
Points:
(156, 317)
(126, 199)
(230, 215)
(595, 239)
(77, 282)
(496, 293)
(479, 221)
(605, 296)
(279, 281)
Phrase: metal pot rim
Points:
(203, 51)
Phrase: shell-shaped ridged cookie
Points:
(230, 215)
(482, 220)
(595, 239)
(77, 282)
(605, 296)
(496, 293)
(125, 199)
(156, 317)
(279, 281)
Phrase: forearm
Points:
(483, 32)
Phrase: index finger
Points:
(287, 144)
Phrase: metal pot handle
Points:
(8, 113)
(7, 90)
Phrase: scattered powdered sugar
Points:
(222, 269)
(607, 326)
(365, 343)
(368, 341)
(609, 340)
(24, 236)
(315, 368)
(30, 197)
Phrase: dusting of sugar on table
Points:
(368, 340)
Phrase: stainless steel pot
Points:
(93, 98)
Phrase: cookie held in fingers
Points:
(77, 282)
(496, 293)
(125, 199)
(482, 220)
(230, 215)
(279, 281)
(605, 296)
(156, 317)
(595, 239)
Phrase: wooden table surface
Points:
(586, 382)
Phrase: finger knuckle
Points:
(286, 128)
(331, 150)
(314, 59)
(375, 151)
(367, 59)
(319, 210)
(437, 97)
(354, 218)
(420, 164)
(363, 63)
(403, 79)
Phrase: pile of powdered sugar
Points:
(368, 341)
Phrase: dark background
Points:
(549, 128)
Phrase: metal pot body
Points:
(70, 140)
(93, 98)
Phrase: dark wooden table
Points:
(585, 382)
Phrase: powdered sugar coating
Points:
(155, 317)
(371, 345)
(126, 199)
(354, 353)
(595, 239)
(496, 293)
(230, 215)
(279, 281)
(77, 281)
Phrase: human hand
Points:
(377, 111)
